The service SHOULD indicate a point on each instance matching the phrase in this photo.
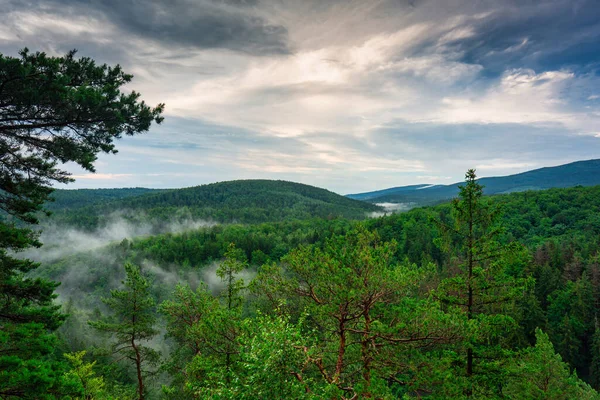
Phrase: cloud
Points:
(348, 95)
(185, 24)
(520, 96)
(398, 153)
(101, 176)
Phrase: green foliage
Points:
(189, 318)
(272, 360)
(248, 201)
(367, 313)
(53, 110)
(27, 369)
(131, 323)
(207, 330)
(277, 341)
(83, 375)
(72, 199)
(480, 284)
(540, 373)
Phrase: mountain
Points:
(245, 201)
(584, 173)
(75, 198)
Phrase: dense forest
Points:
(248, 201)
(485, 297)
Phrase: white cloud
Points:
(95, 176)
(521, 96)
(505, 165)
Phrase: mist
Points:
(61, 241)
(391, 208)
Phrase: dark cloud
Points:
(542, 35)
(203, 24)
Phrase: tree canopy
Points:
(53, 110)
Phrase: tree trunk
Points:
(366, 356)
(339, 366)
(138, 366)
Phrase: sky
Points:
(351, 96)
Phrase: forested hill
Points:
(584, 173)
(245, 201)
(76, 198)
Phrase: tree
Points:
(540, 373)
(229, 270)
(480, 285)
(132, 323)
(207, 330)
(53, 110)
(189, 317)
(367, 311)
(83, 375)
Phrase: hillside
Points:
(245, 201)
(76, 198)
(583, 173)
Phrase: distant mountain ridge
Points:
(246, 201)
(584, 173)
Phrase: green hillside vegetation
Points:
(550, 331)
(580, 173)
(77, 198)
(244, 201)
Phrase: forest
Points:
(484, 297)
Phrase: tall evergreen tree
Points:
(208, 329)
(53, 110)
(480, 286)
(132, 324)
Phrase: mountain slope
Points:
(75, 198)
(248, 201)
(584, 173)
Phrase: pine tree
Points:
(539, 373)
(229, 270)
(53, 110)
(208, 330)
(367, 312)
(132, 323)
(482, 288)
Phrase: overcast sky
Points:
(348, 95)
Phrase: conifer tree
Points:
(229, 270)
(481, 287)
(208, 328)
(53, 110)
(539, 373)
(367, 312)
(132, 324)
